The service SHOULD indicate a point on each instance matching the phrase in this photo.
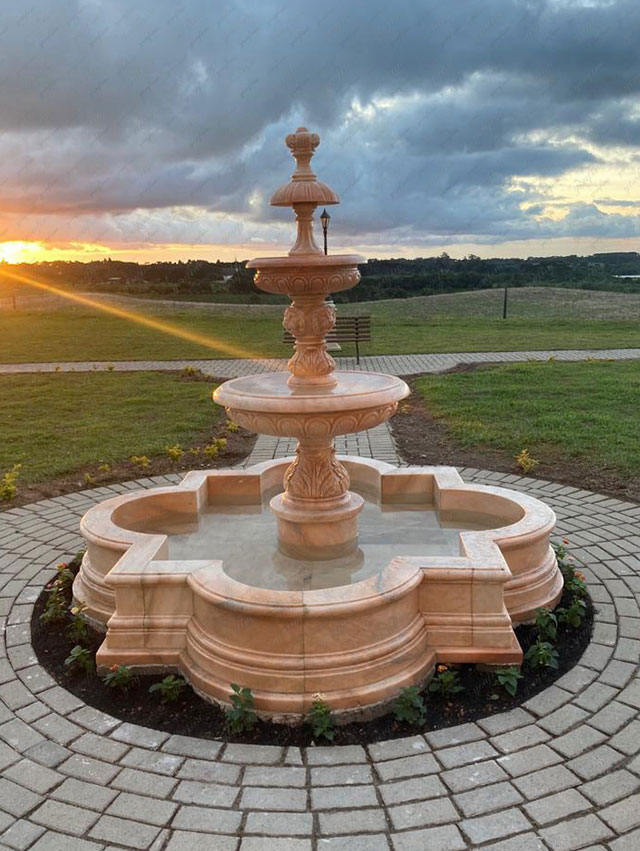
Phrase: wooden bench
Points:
(348, 329)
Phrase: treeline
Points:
(398, 278)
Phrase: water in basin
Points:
(244, 538)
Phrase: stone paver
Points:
(558, 774)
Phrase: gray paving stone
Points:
(273, 798)
(630, 842)
(531, 759)
(545, 782)
(100, 747)
(57, 815)
(281, 824)
(472, 776)
(182, 840)
(348, 775)
(611, 787)
(555, 807)
(504, 722)
(16, 799)
(487, 799)
(411, 766)
(142, 808)
(623, 815)
(523, 737)
(257, 775)
(395, 748)
(445, 838)
(563, 719)
(51, 841)
(423, 814)
(207, 794)
(164, 763)
(343, 797)
(370, 842)
(612, 717)
(86, 794)
(458, 735)
(36, 777)
(466, 754)
(595, 762)
(87, 768)
(575, 833)
(21, 835)
(521, 842)
(268, 843)
(345, 755)
(253, 754)
(208, 820)
(48, 753)
(495, 826)
(131, 834)
(144, 737)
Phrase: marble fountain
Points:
(318, 573)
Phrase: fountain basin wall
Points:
(358, 643)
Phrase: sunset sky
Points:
(153, 129)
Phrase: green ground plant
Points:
(241, 717)
(410, 708)
(169, 688)
(321, 720)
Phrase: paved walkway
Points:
(394, 364)
(560, 773)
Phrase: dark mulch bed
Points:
(239, 445)
(193, 716)
(423, 440)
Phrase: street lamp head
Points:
(325, 218)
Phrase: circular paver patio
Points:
(560, 773)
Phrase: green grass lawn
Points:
(54, 424)
(588, 411)
(83, 334)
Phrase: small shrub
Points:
(508, 679)
(174, 452)
(445, 682)
(81, 658)
(55, 609)
(78, 629)
(170, 688)
(120, 677)
(88, 479)
(195, 450)
(320, 719)
(64, 575)
(525, 462)
(9, 483)
(232, 427)
(221, 443)
(546, 624)
(542, 654)
(409, 708)
(140, 461)
(191, 372)
(104, 468)
(242, 714)
(576, 584)
(210, 451)
(574, 615)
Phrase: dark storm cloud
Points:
(114, 108)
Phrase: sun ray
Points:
(133, 316)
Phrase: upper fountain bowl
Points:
(311, 274)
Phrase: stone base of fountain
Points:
(356, 628)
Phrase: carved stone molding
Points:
(312, 425)
(316, 474)
(295, 280)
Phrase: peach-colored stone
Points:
(357, 643)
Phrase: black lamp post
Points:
(325, 218)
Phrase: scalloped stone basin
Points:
(356, 632)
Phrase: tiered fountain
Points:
(368, 574)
